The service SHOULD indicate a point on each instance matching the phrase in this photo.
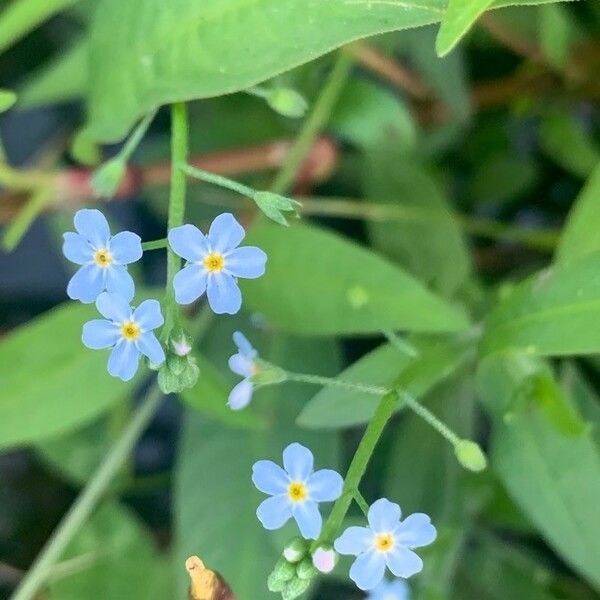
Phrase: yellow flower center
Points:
(130, 330)
(103, 258)
(297, 491)
(384, 542)
(214, 262)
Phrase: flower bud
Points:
(305, 569)
(107, 178)
(273, 204)
(267, 374)
(324, 559)
(470, 455)
(287, 102)
(177, 373)
(295, 550)
(281, 574)
(295, 588)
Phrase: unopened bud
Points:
(295, 588)
(181, 347)
(295, 550)
(324, 560)
(470, 455)
(281, 574)
(287, 102)
(305, 569)
(177, 374)
(107, 178)
(272, 205)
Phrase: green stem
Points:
(332, 382)
(428, 416)
(395, 340)
(87, 501)
(362, 503)
(179, 150)
(155, 244)
(39, 200)
(358, 466)
(314, 123)
(224, 182)
(136, 137)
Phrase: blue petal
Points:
(188, 242)
(325, 485)
(298, 461)
(270, 478)
(119, 281)
(274, 512)
(368, 569)
(126, 247)
(241, 365)
(99, 333)
(247, 262)
(224, 295)
(86, 284)
(189, 284)
(113, 307)
(309, 519)
(244, 346)
(403, 562)
(384, 516)
(225, 233)
(354, 541)
(415, 531)
(148, 316)
(93, 226)
(149, 346)
(123, 360)
(241, 395)
(390, 590)
(76, 248)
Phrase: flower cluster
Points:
(214, 263)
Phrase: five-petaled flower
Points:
(387, 541)
(390, 590)
(242, 363)
(214, 262)
(102, 257)
(128, 332)
(296, 491)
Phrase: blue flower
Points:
(295, 491)
(386, 542)
(390, 590)
(102, 257)
(128, 332)
(243, 364)
(214, 262)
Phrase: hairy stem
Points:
(87, 501)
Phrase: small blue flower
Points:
(386, 542)
(102, 257)
(214, 262)
(295, 491)
(242, 363)
(128, 332)
(390, 590)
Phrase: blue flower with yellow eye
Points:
(390, 590)
(387, 541)
(242, 363)
(102, 257)
(295, 491)
(214, 262)
(128, 332)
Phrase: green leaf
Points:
(554, 478)
(148, 54)
(59, 384)
(550, 313)
(111, 557)
(7, 99)
(319, 283)
(334, 408)
(459, 17)
(555, 34)
(580, 235)
(216, 515)
(210, 394)
(427, 239)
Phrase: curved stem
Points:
(87, 501)
(332, 382)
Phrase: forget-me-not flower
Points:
(242, 363)
(295, 491)
(102, 257)
(214, 262)
(128, 332)
(387, 541)
(390, 590)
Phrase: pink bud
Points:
(324, 560)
